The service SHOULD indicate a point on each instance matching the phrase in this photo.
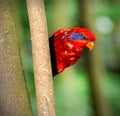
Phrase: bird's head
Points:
(68, 46)
(82, 37)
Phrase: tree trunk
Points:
(41, 58)
(14, 100)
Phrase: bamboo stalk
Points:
(41, 58)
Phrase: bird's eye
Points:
(85, 38)
(77, 36)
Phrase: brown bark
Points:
(14, 100)
(41, 58)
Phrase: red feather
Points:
(66, 47)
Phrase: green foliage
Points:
(112, 11)
(72, 95)
(111, 86)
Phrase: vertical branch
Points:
(41, 58)
(14, 100)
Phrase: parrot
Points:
(66, 47)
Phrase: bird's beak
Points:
(90, 45)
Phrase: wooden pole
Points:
(14, 100)
(41, 58)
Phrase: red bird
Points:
(66, 47)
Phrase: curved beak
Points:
(90, 45)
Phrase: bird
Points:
(66, 47)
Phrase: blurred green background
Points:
(92, 86)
